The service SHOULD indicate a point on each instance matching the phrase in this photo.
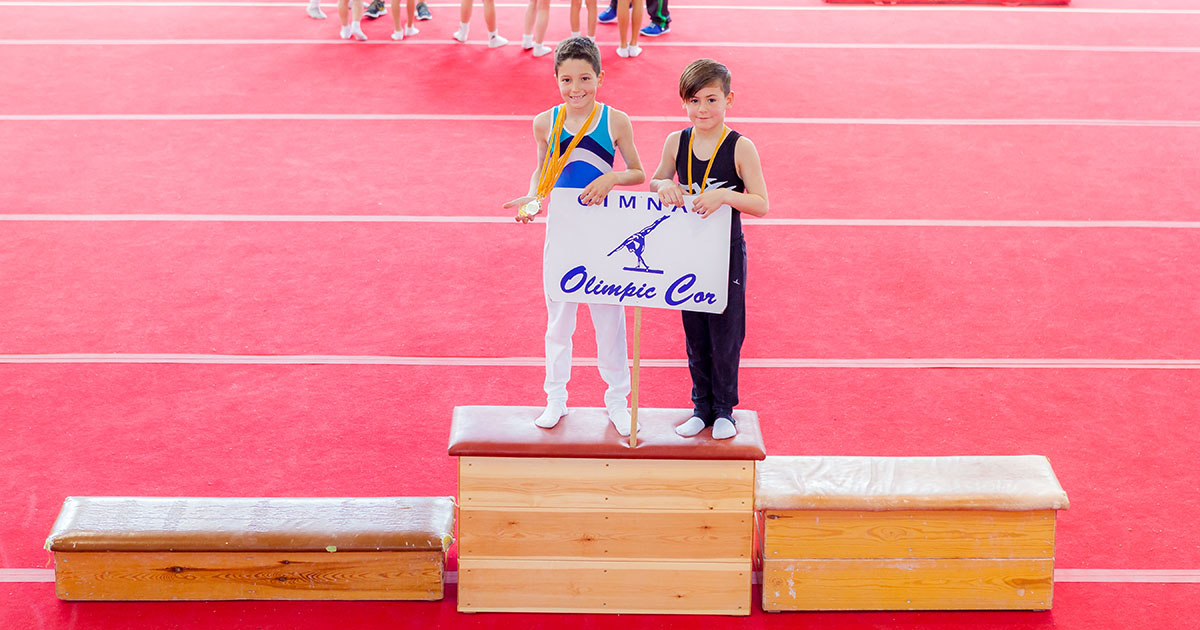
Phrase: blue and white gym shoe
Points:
(608, 16)
(654, 30)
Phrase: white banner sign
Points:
(632, 250)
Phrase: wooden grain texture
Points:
(708, 588)
(580, 534)
(598, 484)
(909, 534)
(163, 576)
(955, 584)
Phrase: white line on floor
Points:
(26, 575)
(332, 41)
(782, 363)
(910, 122)
(295, 6)
(1148, 576)
(1128, 576)
(386, 218)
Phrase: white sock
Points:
(621, 420)
(723, 429)
(693, 426)
(357, 32)
(622, 52)
(461, 34)
(635, 51)
(346, 32)
(574, 33)
(410, 30)
(552, 414)
(527, 42)
(495, 41)
(314, 10)
(541, 50)
(397, 35)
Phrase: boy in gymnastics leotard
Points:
(589, 134)
(719, 166)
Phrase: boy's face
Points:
(706, 108)
(578, 82)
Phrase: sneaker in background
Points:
(608, 16)
(654, 30)
(423, 12)
(375, 10)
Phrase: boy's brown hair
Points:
(577, 48)
(702, 73)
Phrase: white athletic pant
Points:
(611, 350)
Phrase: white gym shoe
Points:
(551, 415)
(693, 426)
(621, 421)
(723, 429)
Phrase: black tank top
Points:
(723, 174)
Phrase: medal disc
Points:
(532, 208)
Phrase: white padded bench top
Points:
(1004, 483)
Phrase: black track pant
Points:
(714, 346)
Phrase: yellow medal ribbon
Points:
(691, 139)
(554, 164)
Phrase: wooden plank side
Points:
(956, 584)
(601, 484)
(701, 588)
(909, 534)
(608, 535)
(165, 576)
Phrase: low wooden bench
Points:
(921, 533)
(154, 549)
(574, 520)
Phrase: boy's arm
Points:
(754, 200)
(663, 181)
(633, 174)
(541, 131)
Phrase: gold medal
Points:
(554, 163)
(532, 208)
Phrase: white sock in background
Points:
(461, 33)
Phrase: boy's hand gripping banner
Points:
(634, 251)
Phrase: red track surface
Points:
(828, 83)
(1121, 440)
(837, 292)
(877, 172)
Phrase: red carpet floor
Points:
(863, 116)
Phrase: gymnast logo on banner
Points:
(632, 250)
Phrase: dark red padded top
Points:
(586, 432)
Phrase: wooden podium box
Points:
(572, 519)
(207, 549)
(908, 533)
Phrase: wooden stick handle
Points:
(637, 364)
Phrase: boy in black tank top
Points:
(720, 167)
